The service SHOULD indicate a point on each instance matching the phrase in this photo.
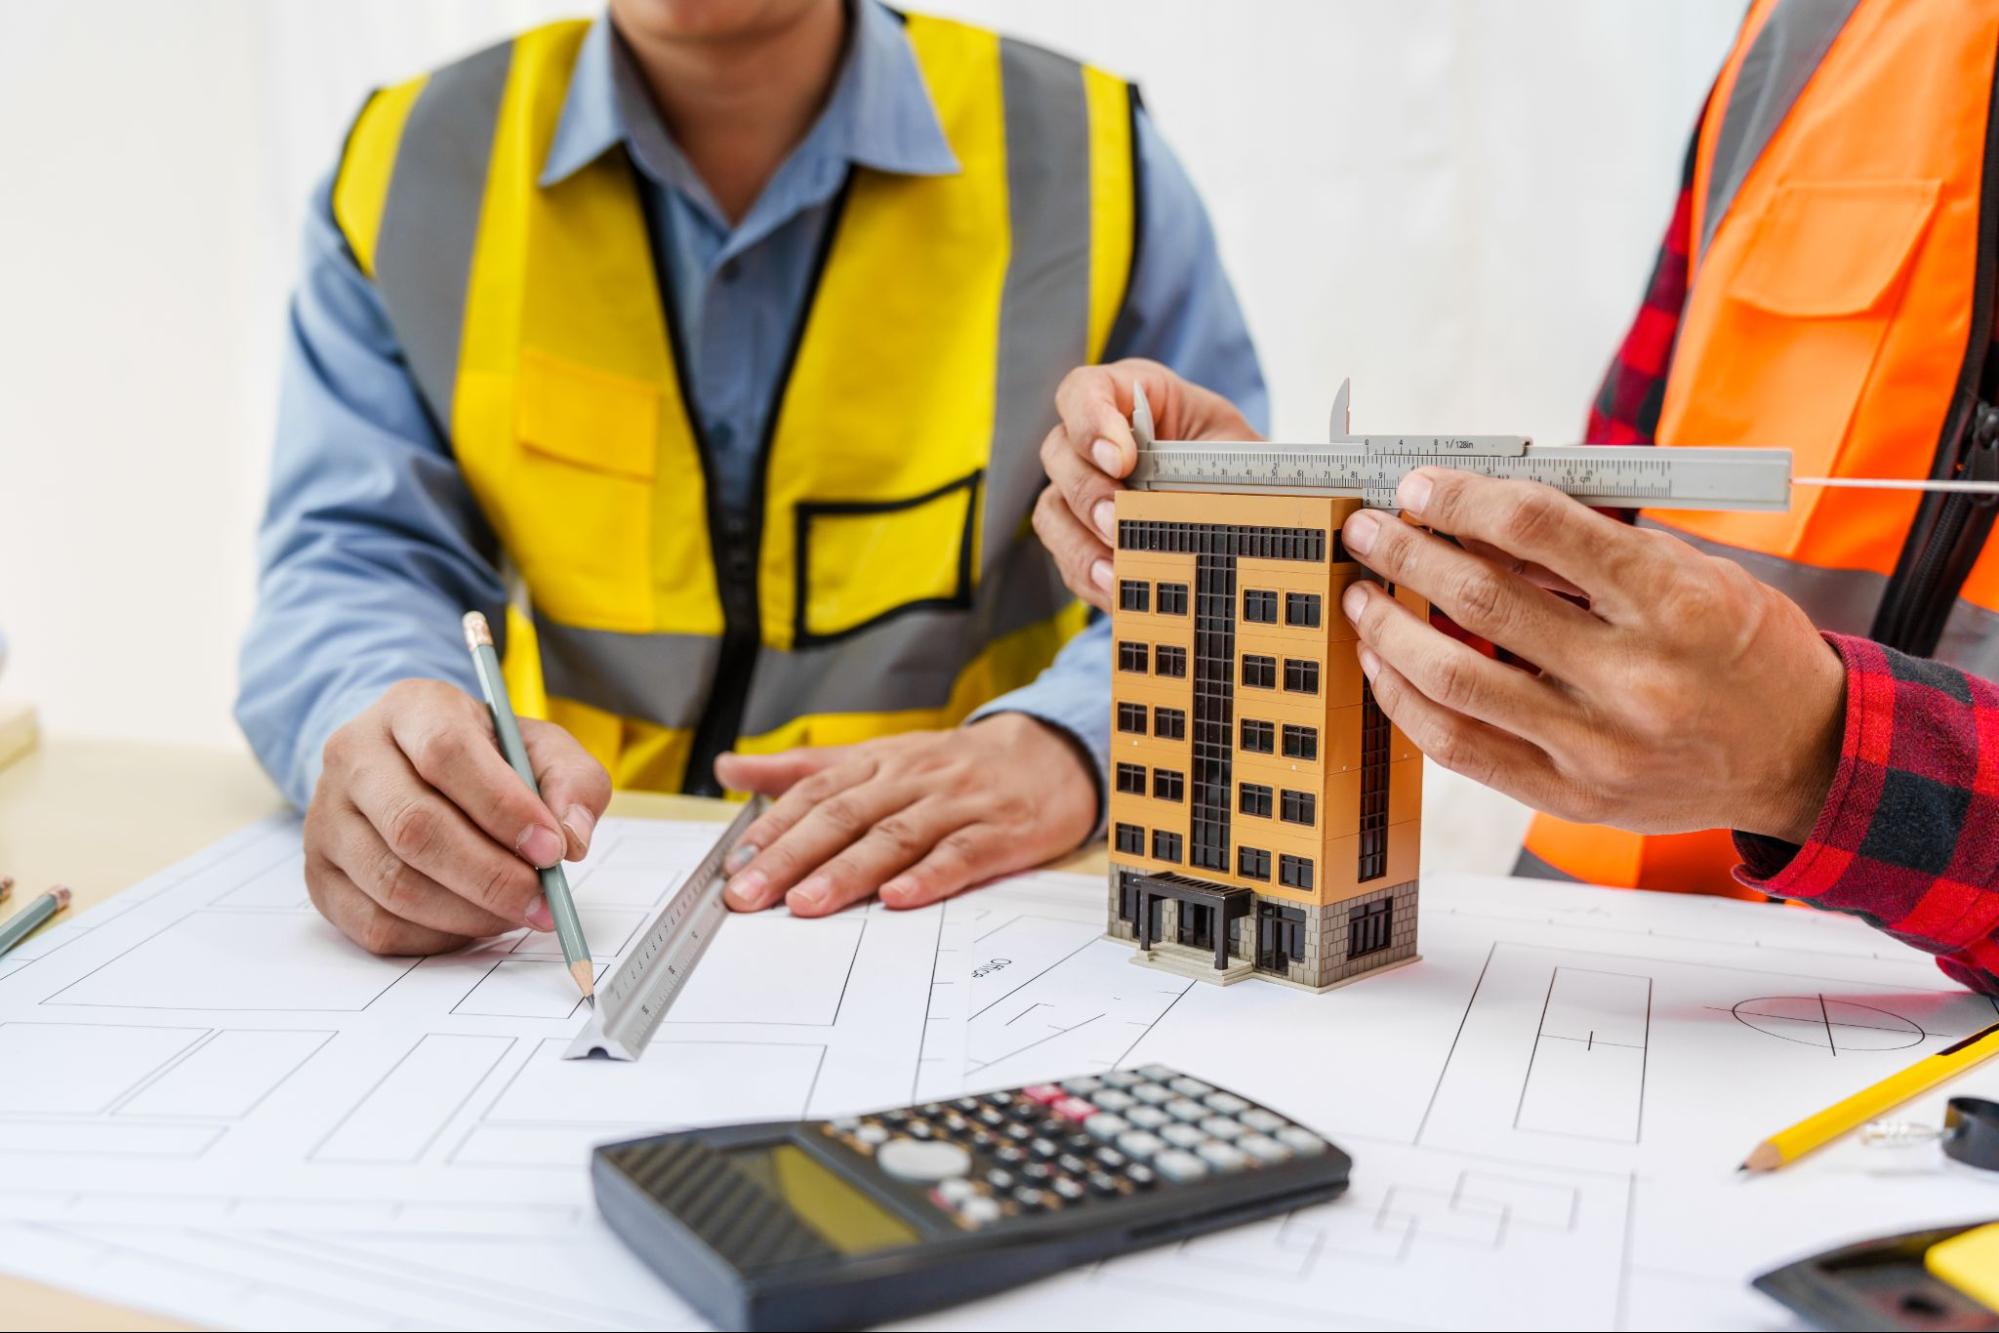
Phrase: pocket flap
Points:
(588, 417)
(1830, 248)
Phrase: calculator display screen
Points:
(844, 1217)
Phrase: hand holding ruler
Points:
(1370, 467)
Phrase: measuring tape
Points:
(631, 1005)
(1370, 467)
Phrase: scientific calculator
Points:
(837, 1223)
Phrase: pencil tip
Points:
(586, 978)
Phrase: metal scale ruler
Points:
(633, 1001)
(1369, 467)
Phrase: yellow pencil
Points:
(1815, 1131)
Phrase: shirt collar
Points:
(879, 115)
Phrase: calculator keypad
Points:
(1051, 1146)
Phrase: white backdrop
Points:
(1453, 201)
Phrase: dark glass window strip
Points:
(1222, 539)
(1369, 927)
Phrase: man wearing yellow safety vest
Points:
(1819, 681)
(711, 343)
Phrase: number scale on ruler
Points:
(634, 1001)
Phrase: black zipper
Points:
(1950, 530)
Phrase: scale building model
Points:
(1264, 813)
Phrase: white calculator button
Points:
(1179, 1166)
(1158, 1073)
(1222, 1127)
(1262, 1121)
(1082, 1085)
(846, 1124)
(1225, 1102)
(1121, 1078)
(915, 1160)
(1110, 1099)
(1152, 1093)
(1183, 1136)
(979, 1210)
(955, 1190)
(1139, 1144)
(871, 1134)
(1223, 1157)
(1182, 1109)
(1301, 1141)
(1106, 1126)
(1147, 1117)
(1191, 1087)
(1263, 1149)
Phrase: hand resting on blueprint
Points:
(914, 818)
(420, 837)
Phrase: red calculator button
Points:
(1073, 1108)
(1043, 1093)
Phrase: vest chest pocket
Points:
(579, 515)
(861, 562)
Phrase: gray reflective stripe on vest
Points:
(1045, 305)
(430, 220)
(909, 662)
(1780, 62)
(1845, 600)
(1529, 866)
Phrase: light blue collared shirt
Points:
(372, 545)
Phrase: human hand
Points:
(1684, 695)
(421, 837)
(915, 817)
(1092, 447)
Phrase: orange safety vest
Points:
(1840, 303)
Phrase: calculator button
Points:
(1106, 1126)
(1043, 1149)
(1038, 1172)
(981, 1140)
(1010, 1156)
(1262, 1121)
(1152, 1094)
(1071, 1163)
(1191, 1087)
(1073, 1108)
(1019, 1133)
(1082, 1085)
(917, 1129)
(846, 1124)
(979, 1211)
(1102, 1182)
(1301, 1141)
(1222, 1127)
(1001, 1180)
(1227, 1103)
(1180, 1166)
(991, 1118)
(1120, 1078)
(1139, 1144)
(1223, 1157)
(1033, 1200)
(1147, 1117)
(1067, 1189)
(909, 1159)
(1183, 1136)
(966, 1104)
(1076, 1140)
(1158, 1073)
(955, 1191)
(1044, 1093)
(1110, 1099)
(1141, 1175)
(1182, 1109)
(1263, 1149)
(1001, 1099)
(1109, 1157)
(871, 1135)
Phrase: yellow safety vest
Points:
(891, 579)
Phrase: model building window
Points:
(1295, 871)
(1252, 863)
(1172, 599)
(1299, 807)
(1301, 742)
(1169, 724)
(1131, 717)
(1134, 595)
(1300, 608)
(1131, 779)
(1254, 799)
(1169, 661)
(1131, 839)
(1165, 846)
(1259, 605)
(1258, 737)
(1131, 657)
(1259, 671)
(1368, 927)
(1300, 677)
(1168, 785)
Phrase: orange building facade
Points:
(1264, 814)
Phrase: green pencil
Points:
(554, 884)
(22, 924)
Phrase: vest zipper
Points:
(1950, 530)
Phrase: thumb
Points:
(773, 774)
(574, 786)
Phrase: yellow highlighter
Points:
(1815, 1131)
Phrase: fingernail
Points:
(1105, 517)
(1413, 493)
(1100, 574)
(580, 824)
(538, 846)
(1108, 458)
(1369, 663)
(740, 856)
(810, 896)
(1353, 601)
(539, 916)
(746, 891)
(897, 891)
(1361, 530)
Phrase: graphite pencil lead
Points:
(586, 977)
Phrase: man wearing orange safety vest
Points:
(1801, 704)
